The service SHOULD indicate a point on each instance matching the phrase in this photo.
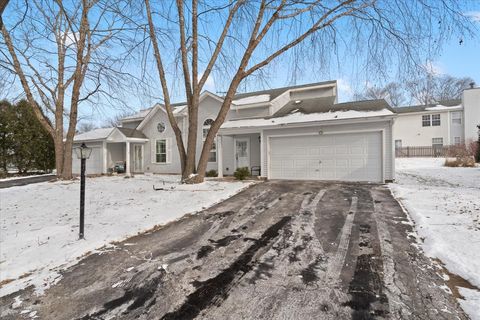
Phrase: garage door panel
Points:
(348, 157)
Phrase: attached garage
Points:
(342, 157)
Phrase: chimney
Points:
(472, 85)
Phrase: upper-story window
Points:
(431, 120)
(212, 157)
(426, 120)
(456, 117)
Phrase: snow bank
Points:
(444, 203)
(39, 222)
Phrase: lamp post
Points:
(83, 153)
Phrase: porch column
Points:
(262, 154)
(105, 157)
(220, 156)
(127, 159)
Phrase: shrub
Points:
(466, 161)
(212, 173)
(241, 173)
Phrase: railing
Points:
(427, 151)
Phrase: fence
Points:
(427, 151)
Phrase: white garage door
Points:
(94, 164)
(343, 157)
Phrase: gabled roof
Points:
(261, 96)
(132, 133)
(452, 103)
(95, 134)
(104, 133)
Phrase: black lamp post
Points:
(83, 153)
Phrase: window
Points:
(456, 118)
(398, 144)
(161, 127)
(206, 127)
(212, 157)
(457, 140)
(161, 151)
(437, 142)
(435, 120)
(426, 120)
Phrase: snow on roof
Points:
(302, 117)
(179, 109)
(141, 114)
(252, 99)
(439, 107)
(95, 134)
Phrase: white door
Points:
(138, 158)
(242, 153)
(342, 157)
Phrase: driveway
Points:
(21, 181)
(278, 250)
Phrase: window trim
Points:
(437, 144)
(205, 129)
(434, 121)
(426, 120)
(457, 115)
(160, 153)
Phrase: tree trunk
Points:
(67, 161)
(58, 143)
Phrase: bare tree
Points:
(434, 88)
(393, 93)
(3, 5)
(239, 39)
(85, 127)
(62, 54)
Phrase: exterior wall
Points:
(250, 112)
(312, 93)
(151, 132)
(131, 124)
(116, 152)
(409, 129)
(471, 104)
(386, 126)
(94, 164)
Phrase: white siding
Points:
(94, 164)
(471, 104)
(384, 126)
(409, 129)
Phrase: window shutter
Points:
(153, 144)
(168, 141)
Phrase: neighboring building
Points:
(446, 123)
(298, 132)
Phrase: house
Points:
(297, 132)
(446, 123)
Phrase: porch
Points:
(237, 150)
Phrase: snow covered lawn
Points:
(39, 222)
(445, 205)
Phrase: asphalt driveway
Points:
(278, 250)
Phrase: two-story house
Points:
(446, 123)
(297, 132)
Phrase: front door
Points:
(242, 152)
(138, 158)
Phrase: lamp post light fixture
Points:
(83, 153)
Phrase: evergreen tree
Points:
(24, 142)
